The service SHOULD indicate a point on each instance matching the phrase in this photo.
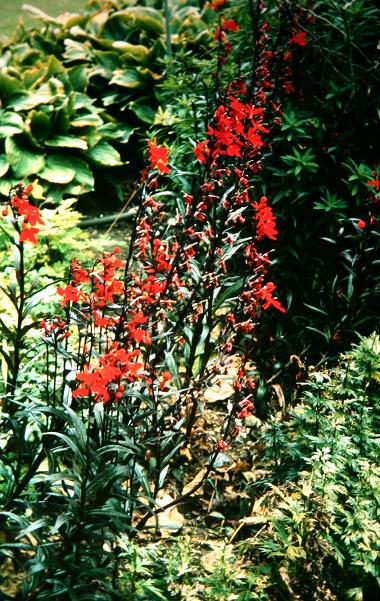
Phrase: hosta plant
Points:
(74, 90)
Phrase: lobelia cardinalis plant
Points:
(140, 340)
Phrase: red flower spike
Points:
(265, 220)
(158, 157)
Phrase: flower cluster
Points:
(299, 39)
(158, 157)
(27, 216)
(105, 378)
(104, 286)
(265, 220)
(237, 126)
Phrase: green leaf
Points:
(34, 76)
(66, 142)
(10, 123)
(4, 165)
(6, 185)
(90, 120)
(23, 162)
(83, 181)
(9, 86)
(106, 62)
(76, 51)
(32, 528)
(78, 78)
(128, 78)
(26, 102)
(40, 125)
(116, 131)
(143, 111)
(141, 17)
(59, 169)
(104, 154)
(137, 52)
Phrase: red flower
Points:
(265, 295)
(28, 234)
(229, 25)
(362, 224)
(78, 273)
(299, 39)
(375, 183)
(69, 293)
(216, 4)
(158, 157)
(201, 151)
(265, 220)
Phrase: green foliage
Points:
(318, 517)
(188, 569)
(74, 92)
(323, 155)
(76, 480)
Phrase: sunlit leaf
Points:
(128, 78)
(66, 142)
(141, 17)
(10, 123)
(104, 154)
(58, 169)
(23, 162)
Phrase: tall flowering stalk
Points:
(142, 336)
(152, 333)
(26, 221)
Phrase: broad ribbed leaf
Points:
(141, 17)
(89, 120)
(40, 125)
(23, 162)
(136, 52)
(116, 131)
(26, 102)
(142, 111)
(83, 181)
(59, 169)
(10, 123)
(78, 78)
(7, 184)
(75, 51)
(104, 154)
(9, 86)
(67, 142)
(128, 78)
(34, 76)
